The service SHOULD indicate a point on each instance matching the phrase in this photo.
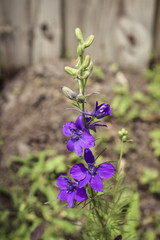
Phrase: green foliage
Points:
(1, 142)
(32, 199)
(154, 84)
(133, 105)
(149, 235)
(111, 210)
(132, 219)
(106, 215)
(155, 137)
(152, 179)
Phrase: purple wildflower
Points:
(70, 190)
(101, 111)
(93, 175)
(79, 136)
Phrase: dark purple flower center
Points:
(76, 134)
(92, 169)
(71, 186)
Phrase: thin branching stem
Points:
(99, 217)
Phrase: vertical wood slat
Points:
(30, 31)
(93, 17)
(134, 41)
(156, 33)
(116, 29)
(47, 30)
(14, 47)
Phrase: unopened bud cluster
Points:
(123, 133)
(83, 68)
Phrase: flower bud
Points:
(79, 35)
(123, 132)
(87, 61)
(101, 110)
(71, 71)
(124, 138)
(86, 74)
(69, 93)
(89, 41)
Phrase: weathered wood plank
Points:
(156, 43)
(134, 34)
(30, 31)
(93, 17)
(46, 16)
(14, 46)
(123, 29)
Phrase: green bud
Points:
(86, 74)
(71, 71)
(124, 138)
(79, 35)
(69, 93)
(80, 50)
(87, 61)
(123, 132)
(89, 41)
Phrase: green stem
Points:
(99, 217)
(120, 160)
(81, 85)
(113, 204)
(118, 170)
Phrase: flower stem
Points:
(81, 90)
(120, 160)
(99, 217)
(118, 171)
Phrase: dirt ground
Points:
(33, 111)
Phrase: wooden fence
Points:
(126, 31)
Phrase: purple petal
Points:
(70, 198)
(80, 194)
(67, 128)
(88, 156)
(96, 183)
(106, 170)
(84, 182)
(70, 145)
(62, 182)
(62, 195)
(78, 171)
(93, 125)
(79, 123)
(86, 140)
(78, 148)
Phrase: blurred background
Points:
(37, 39)
(127, 32)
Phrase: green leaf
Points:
(55, 164)
(148, 175)
(133, 218)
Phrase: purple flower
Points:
(101, 110)
(93, 125)
(93, 175)
(79, 137)
(70, 191)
